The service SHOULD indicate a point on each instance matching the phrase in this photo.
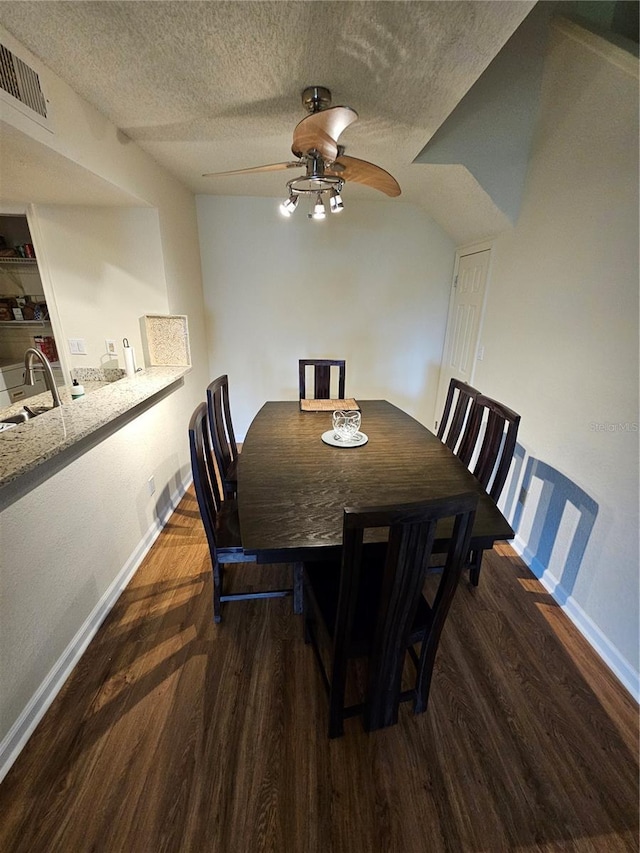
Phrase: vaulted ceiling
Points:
(212, 86)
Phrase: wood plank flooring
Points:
(173, 734)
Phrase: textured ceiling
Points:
(210, 86)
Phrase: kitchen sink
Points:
(22, 416)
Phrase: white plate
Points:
(359, 439)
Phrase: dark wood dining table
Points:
(292, 487)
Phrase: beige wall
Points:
(561, 341)
(67, 545)
(370, 285)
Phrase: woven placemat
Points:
(349, 405)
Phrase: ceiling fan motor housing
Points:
(316, 98)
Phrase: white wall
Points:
(561, 340)
(90, 141)
(560, 337)
(106, 268)
(63, 547)
(49, 584)
(370, 285)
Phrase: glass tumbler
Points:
(346, 425)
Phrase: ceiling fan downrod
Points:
(316, 98)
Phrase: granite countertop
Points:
(44, 400)
(41, 439)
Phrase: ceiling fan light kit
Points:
(315, 184)
(289, 205)
(318, 209)
(315, 144)
(335, 202)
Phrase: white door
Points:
(464, 323)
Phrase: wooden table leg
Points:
(297, 588)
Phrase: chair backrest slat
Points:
(221, 426)
(204, 473)
(496, 446)
(412, 532)
(321, 377)
(451, 425)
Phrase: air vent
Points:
(21, 81)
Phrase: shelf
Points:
(25, 322)
(18, 262)
(23, 265)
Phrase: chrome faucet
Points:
(49, 381)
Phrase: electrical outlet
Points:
(151, 485)
(110, 347)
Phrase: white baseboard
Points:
(616, 662)
(24, 726)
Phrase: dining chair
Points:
(454, 417)
(224, 441)
(371, 604)
(488, 453)
(321, 377)
(220, 519)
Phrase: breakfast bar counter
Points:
(35, 450)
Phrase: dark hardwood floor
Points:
(173, 734)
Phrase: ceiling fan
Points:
(327, 168)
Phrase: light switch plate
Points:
(77, 346)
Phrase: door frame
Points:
(461, 252)
(29, 212)
(57, 327)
